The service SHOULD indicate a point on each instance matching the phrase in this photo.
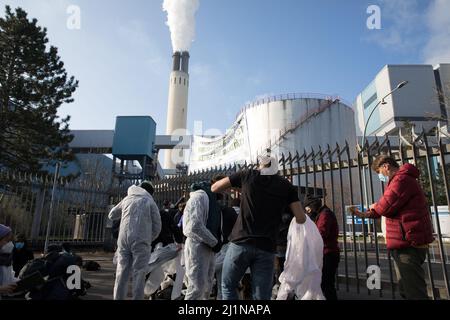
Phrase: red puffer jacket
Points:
(328, 227)
(408, 221)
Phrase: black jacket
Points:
(168, 228)
(20, 257)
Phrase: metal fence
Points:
(339, 173)
(344, 177)
(80, 208)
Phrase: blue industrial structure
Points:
(134, 138)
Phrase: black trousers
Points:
(329, 269)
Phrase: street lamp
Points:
(381, 102)
(52, 201)
(361, 147)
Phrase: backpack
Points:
(214, 223)
(54, 265)
(32, 266)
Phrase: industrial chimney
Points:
(177, 105)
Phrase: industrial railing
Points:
(346, 179)
(338, 172)
(79, 208)
(292, 96)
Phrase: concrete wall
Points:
(444, 73)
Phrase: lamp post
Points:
(52, 201)
(361, 147)
(381, 102)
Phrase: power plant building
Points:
(418, 103)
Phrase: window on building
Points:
(369, 102)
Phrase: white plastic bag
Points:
(162, 255)
(161, 263)
(302, 273)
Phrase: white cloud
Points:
(408, 28)
(437, 49)
(401, 23)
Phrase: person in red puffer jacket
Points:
(408, 223)
(326, 222)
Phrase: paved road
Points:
(103, 282)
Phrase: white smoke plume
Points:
(181, 22)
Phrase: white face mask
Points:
(7, 248)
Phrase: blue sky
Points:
(243, 49)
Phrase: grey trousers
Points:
(410, 274)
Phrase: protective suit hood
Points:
(138, 191)
(197, 194)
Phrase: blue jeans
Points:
(239, 257)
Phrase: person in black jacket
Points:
(168, 226)
(229, 217)
(178, 221)
(21, 254)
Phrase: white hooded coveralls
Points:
(198, 254)
(302, 273)
(140, 225)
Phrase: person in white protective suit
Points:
(199, 256)
(7, 279)
(302, 273)
(140, 225)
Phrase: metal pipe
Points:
(176, 61)
(185, 62)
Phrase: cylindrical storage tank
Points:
(302, 121)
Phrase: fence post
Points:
(37, 216)
(372, 197)
(350, 183)
(50, 214)
(436, 212)
(344, 217)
